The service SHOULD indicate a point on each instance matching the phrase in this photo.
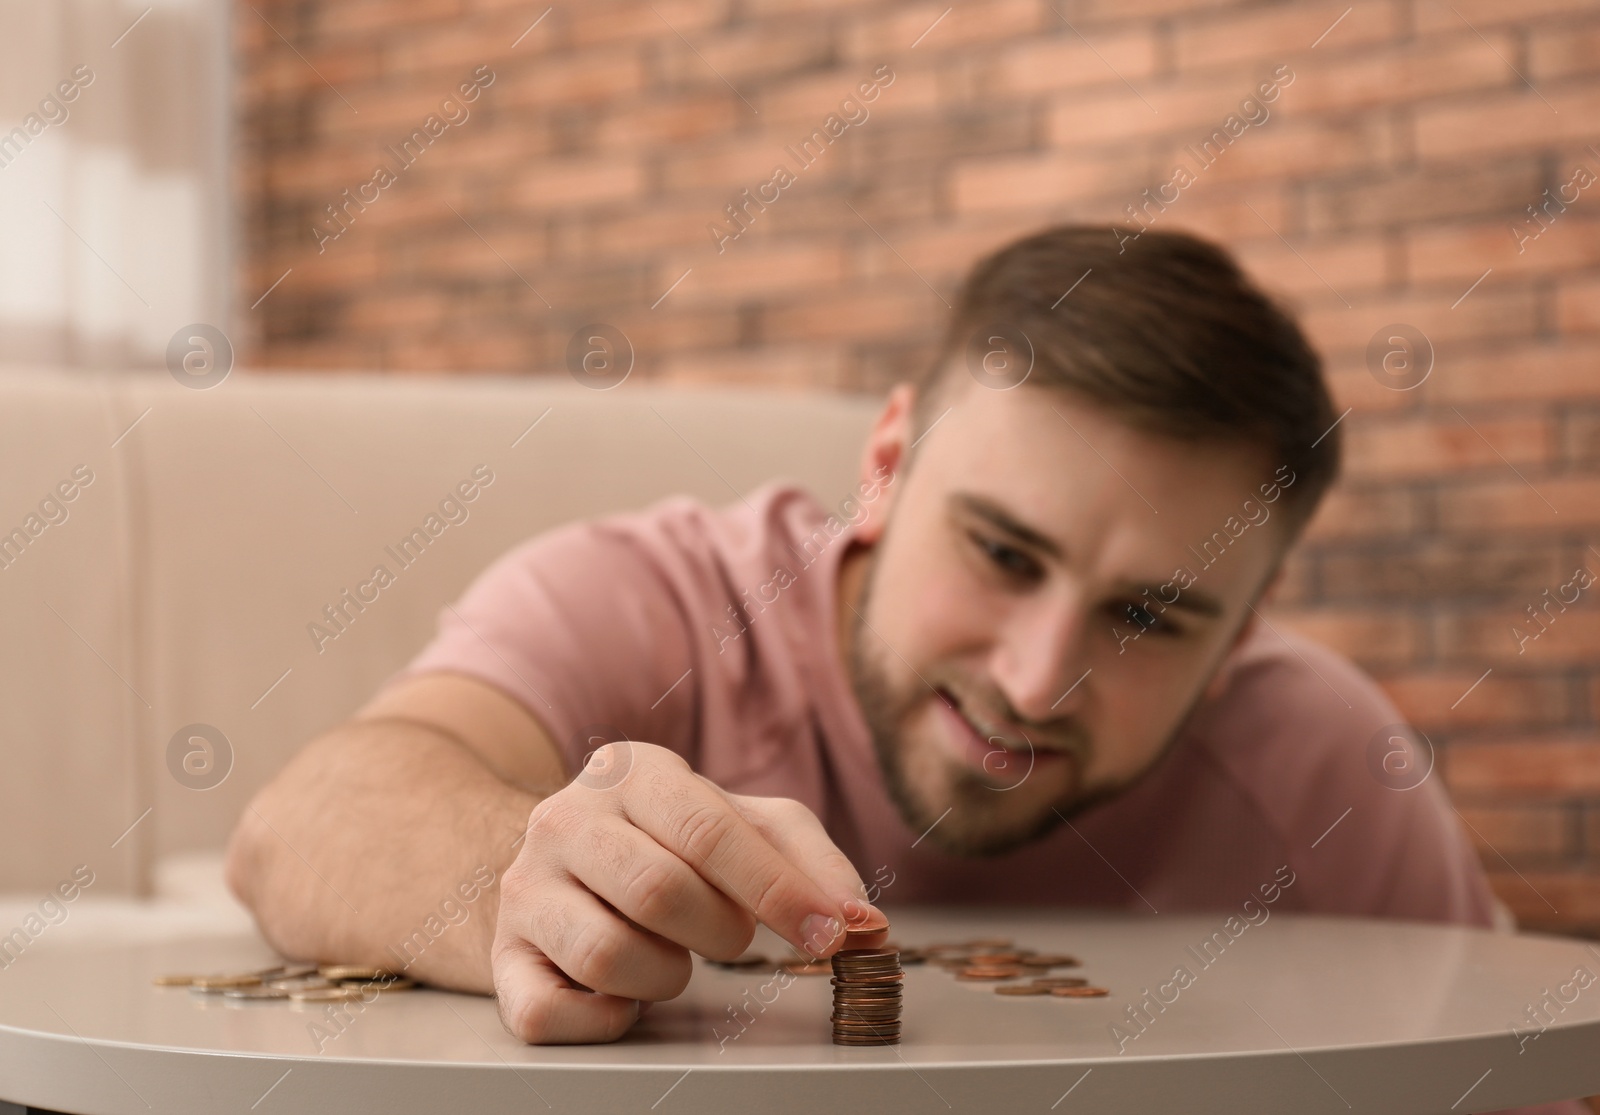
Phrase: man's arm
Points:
(366, 846)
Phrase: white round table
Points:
(1298, 1014)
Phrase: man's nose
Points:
(1040, 655)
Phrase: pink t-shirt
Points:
(674, 625)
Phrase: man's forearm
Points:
(382, 843)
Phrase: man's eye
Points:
(1142, 617)
(1008, 558)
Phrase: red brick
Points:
(666, 122)
(1519, 833)
(561, 183)
(1578, 305)
(1422, 194)
(1492, 311)
(631, 21)
(1186, 110)
(748, 271)
(1369, 638)
(1348, 512)
(878, 35)
(746, 55)
(1455, 699)
(1463, 252)
(1047, 63)
(1233, 36)
(855, 314)
(1489, 13)
(1350, 264)
(1040, 181)
(1400, 73)
(1536, 767)
(1548, 901)
(1508, 636)
(1562, 371)
(542, 81)
(1504, 122)
(1405, 447)
(1314, 146)
(799, 105)
(1563, 50)
(1543, 504)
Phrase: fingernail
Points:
(820, 931)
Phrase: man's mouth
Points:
(999, 754)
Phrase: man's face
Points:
(993, 651)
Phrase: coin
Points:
(174, 981)
(866, 991)
(223, 982)
(352, 971)
(996, 973)
(1079, 992)
(379, 985)
(1050, 960)
(1022, 989)
(807, 968)
(1059, 981)
(326, 995)
(261, 992)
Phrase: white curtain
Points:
(114, 125)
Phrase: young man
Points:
(1022, 663)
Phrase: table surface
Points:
(1298, 1013)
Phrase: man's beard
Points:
(962, 824)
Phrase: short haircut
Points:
(1166, 332)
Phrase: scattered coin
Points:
(1059, 981)
(807, 967)
(174, 981)
(1049, 960)
(989, 973)
(222, 983)
(352, 971)
(1022, 989)
(396, 984)
(1079, 992)
(262, 992)
(326, 994)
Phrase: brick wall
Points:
(1392, 181)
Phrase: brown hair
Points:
(1163, 330)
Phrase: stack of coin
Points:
(866, 993)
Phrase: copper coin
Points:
(1079, 992)
(988, 973)
(990, 943)
(1050, 960)
(1022, 989)
(173, 981)
(1060, 981)
(995, 958)
(802, 968)
(840, 1039)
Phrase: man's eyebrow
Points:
(1001, 519)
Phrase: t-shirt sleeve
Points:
(584, 626)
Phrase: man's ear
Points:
(883, 459)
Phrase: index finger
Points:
(695, 821)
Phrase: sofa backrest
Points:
(164, 551)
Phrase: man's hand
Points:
(636, 863)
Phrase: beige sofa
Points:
(165, 551)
